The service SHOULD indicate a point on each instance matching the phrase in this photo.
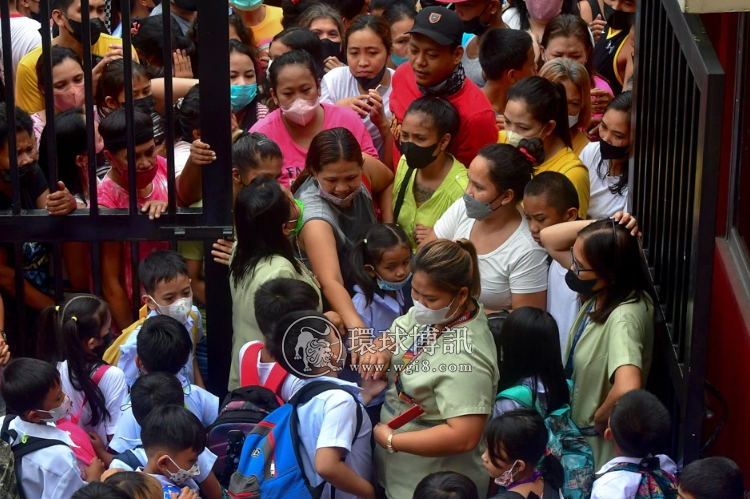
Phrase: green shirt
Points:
(469, 389)
(625, 339)
(452, 188)
(243, 305)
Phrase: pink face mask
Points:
(301, 111)
(70, 98)
(543, 10)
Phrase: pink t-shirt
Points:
(602, 85)
(113, 196)
(293, 155)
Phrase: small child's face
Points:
(493, 470)
(168, 292)
(540, 215)
(185, 459)
(395, 264)
(54, 399)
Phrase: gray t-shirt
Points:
(472, 67)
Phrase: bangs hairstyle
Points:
(572, 26)
(59, 55)
(174, 429)
(321, 11)
(446, 485)
(545, 101)
(111, 83)
(441, 115)
(376, 24)
(278, 297)
(26, 383)
(501, 50)
(615, 255)
(511, 169)
(161, 266)
(252, 148)
(369, 250)
(113, 129)
(251, 110)
(563, 69)
(624, 103)
(163, 345)
(287, 334)
(154, 390)
(450, 265)
(556, 189)
(636, 435)
(303, 42)
(135, 484)
(328, 147)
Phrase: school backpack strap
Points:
(112, 354)
(128, 457)
(249, 367)
(96, 378)
(276, 379)
(660, 483)
(520, 394)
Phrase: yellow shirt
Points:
(28, 96)
(579, 142)
(569, 164)
(268, 28)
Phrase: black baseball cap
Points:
(439, 24)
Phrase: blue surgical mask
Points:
(246, 5)
(398, 60)
(390, 285)
(242, 95)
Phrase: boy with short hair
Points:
(639, 428)
(32, 389)
(332, 451)
(551, 198)
(711, 478)
(164, 277)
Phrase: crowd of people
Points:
(429, 214)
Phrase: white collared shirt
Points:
(329, 420)
(206, 460)
(49, 473)
(624, 484)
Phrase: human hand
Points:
(337, 321)
(600, 99)
(359, 104)
(374, 365)
(61, 202)
(381, 432)
(201, 153)
(332, 63)
(182, 66)
(421, 232)
(377, 111)
(4, 351)
(186, 493)
(97, 443)
(500, 121)
(593, 132)
(94, 471)
(597, 26)
(629, 221)
(110, 472)
(154, 208)
(373, 387)
(222, 251)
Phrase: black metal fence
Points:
(95, 225)
(678, 94)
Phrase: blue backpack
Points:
(270, 466)
(566, 443)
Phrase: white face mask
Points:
(514, 138)
(183, 476)
(179, 310)
(506, 479)
(572, 121)
(59, 412)
(425, 316)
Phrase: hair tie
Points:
(57, 308)
(526, 153)
(74, 319)
(135, 28)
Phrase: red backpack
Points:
(249, 372)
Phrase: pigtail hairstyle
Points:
(369, 250)
(450, 265)
(545, 101)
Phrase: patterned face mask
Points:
(179, 310)
(183, 476)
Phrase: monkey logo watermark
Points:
(314, 346)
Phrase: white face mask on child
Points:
(183, 476)
(59, 412)
(179, 310)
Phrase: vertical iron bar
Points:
(88, 85)
(169, 108)
(127, 54)
(10, 107)
(49, 98)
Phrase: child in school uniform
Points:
(32, 390)
(148, 393)
(273, 300)
(711, 478)
(639, 428)
(165, 278)
(164, 346)
(332, 451)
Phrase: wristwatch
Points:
(389, 444)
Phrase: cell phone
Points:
(381, 89)
(409, 415)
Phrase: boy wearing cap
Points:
(435, 69)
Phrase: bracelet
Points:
(389, 444)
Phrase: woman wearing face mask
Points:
(296, 90)
(573, 76)
(67, 85)
(607, 159)
(512, 266)
(268, 209)
(428, 178)
(441, 420)
(337, 205)
(74, 336)
(366, 80)
(610, 344)
(533, 15)
(243, 78)
(327, 23)
(400, 18)
(568, 36)
(538, 108)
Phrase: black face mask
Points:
(417, 156)
(189, 5)
(368, 83)
(329, 48)
(475, 26)
(608, 151)
(580, 286)
(97, 28)
(145, 104)
(23, 174)
(621, 20)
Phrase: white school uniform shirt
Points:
(24, 37)
(329, 420)
(206, 460)
(50, 473)
(602, 204)
(200, 402)
(624, 484)
(115, 392)
(519, 265)
(562, 303)
(291, 383)
(128, 351)
(340, 83)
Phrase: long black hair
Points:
(624, 103)
(187, 115)
(71, 140)
(510, 168)
(369, 250)
(545, 101)
(64, 330)
(260, 212)
(568, 7)
(301, 39)
(251, 110)
(529, 347)
(522, 435)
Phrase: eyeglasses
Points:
(576, 268)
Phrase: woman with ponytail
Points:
(74, 338)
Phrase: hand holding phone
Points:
(408, 415)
